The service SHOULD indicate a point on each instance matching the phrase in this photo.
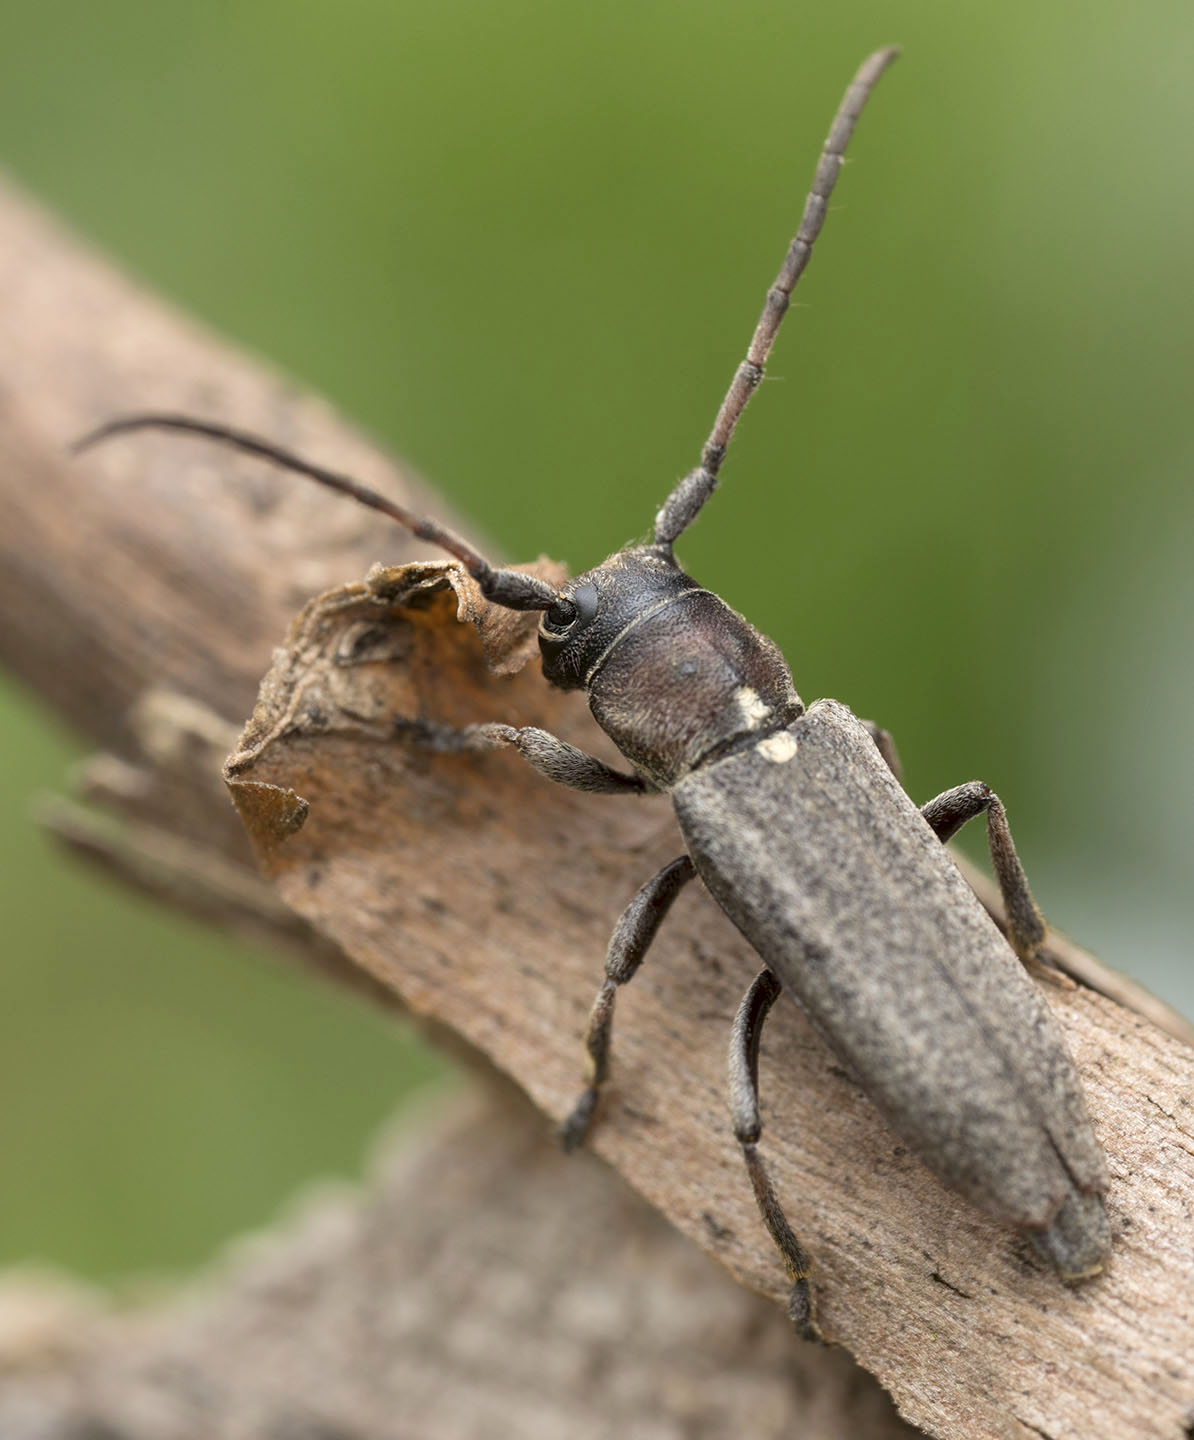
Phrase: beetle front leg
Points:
(947, 814)
(748, 1126)
(628, 944)
(553, 758)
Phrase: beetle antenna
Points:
(682, 506)
(510, 588)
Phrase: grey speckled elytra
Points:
(796, 822)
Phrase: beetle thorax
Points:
(675, 677)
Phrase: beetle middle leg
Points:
(628, 945)
(765, 989)
(947, 814)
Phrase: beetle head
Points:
(673, 675)
(595, 610)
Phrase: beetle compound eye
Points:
(579, 608)
(560, 617)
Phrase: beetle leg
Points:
(947, 814)
(886, 747)
(553, 758)
(744, 1107)
(628, 944)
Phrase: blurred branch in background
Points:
(142, 594)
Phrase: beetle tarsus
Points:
(801, 1312)
(446, 739)
(743, 1078)
(572, 1132)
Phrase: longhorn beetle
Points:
(795, 820)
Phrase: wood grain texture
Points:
(143, 591)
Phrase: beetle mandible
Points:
(796, 822)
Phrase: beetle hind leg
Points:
(947, 814)
(748, 1127)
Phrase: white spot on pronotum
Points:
(750, 707)
(778, 748)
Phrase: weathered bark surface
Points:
(143, 590)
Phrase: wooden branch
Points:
(143, 591)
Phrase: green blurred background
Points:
(526, 244)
